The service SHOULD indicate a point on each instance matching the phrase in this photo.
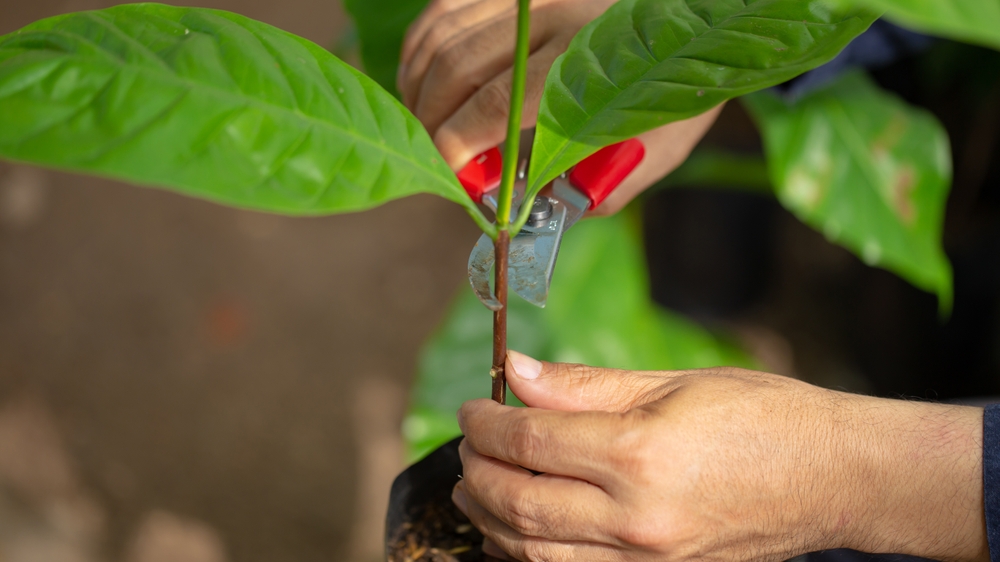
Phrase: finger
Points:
(490, 548)
(465, 22)
(546, 505)
(667, 147)
(576, 388)
(591, 446)
(418, 28)
(481, 122)
(467, 62)
(526, 548)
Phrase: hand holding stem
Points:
(716, 464)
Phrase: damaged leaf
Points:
(868, 170)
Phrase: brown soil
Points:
(441, 533)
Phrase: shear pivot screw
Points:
(541, 210)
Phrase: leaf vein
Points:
(111, 26)
(279, 163)
(140, 129)
(335, 174)
(84, 107)
(281, 67)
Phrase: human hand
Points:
(715, 464)
(455, 75)
(455, 67)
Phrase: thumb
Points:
(571, 387)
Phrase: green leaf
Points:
(599, 313)
(645, 63)
(381, 27)
(707, 167)
(974, 21)
(868, 170)
(214, 105)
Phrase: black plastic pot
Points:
(422, 523)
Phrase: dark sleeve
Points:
(991, 477)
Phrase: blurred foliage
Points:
(974, 21)
(381, 26)
(347, 45)
(599, 313)
(868, 170)
(716, 168)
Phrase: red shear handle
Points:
(597, 176)
(600, 173)
(482, 174)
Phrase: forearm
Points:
(919, 487)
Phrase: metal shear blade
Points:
(532, 259)
(480, 264)
(533, 255)
(533, 251)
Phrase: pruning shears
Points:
(533, 251)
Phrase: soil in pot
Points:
(422, 524)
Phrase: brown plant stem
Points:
(501, 243)
(502, 249)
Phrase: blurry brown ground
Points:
(181, 382)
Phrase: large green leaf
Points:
(868, 170)
(381, 27)
(211, 104)
(974, 21)
(599, 313)
(645, 63)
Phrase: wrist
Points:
(912, 480)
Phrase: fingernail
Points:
(524, 367)
(458, 497)
(461, 424)
(489, 547)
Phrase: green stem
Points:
(522, 215)
(481, 221)
(514, 120)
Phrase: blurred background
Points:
(181, 381)
(185, 382)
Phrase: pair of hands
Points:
(455, 75)
(715, 464)
(722, 464)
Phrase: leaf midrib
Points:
(843, 126)
(246, 99)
